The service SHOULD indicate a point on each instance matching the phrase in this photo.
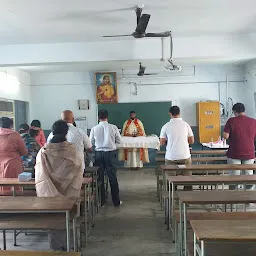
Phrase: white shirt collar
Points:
(177, 118)
(69, 124)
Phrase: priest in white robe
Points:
(135, 157)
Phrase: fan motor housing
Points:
(138, 35)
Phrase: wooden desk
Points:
(39, 205)
(222, 231)
(12, 182)
(198, 159)
(210, 167)
(201, 152)
(191, 215)
(209, 152)
(208, 197)
(37, 253)
(205, 168)
(202, 180)
(46, 221)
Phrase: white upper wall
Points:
(21, 92)
(54, 92)
(250, 88)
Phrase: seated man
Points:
(178, 135)
(58, 172)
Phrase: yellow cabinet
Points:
(208, 121)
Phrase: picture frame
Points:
(106, 87)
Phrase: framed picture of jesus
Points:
(106, 87)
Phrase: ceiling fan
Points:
(142, 71)
(142, 23)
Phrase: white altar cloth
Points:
(139, 142)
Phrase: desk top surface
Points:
(209, 167)
(201, 152)
(212, 179)
(16, 182)
(36, 204)
(220, 196)
(33, 253)
(225, 230)
(199, 159)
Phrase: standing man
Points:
(241, 132)
(104, 137)
(75, 135)
(178, 135)
(134, 158)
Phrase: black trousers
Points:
(106, 161)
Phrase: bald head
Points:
(67, 116)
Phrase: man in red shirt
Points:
(241, 132)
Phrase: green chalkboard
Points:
(153, 114)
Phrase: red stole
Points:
(140, 133)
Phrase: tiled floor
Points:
(136, 228)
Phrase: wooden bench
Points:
(201, 152)
(226, 248)
(198, 159)
(30, 221)
(161, 160)
(224, 231)
(40, 205)
(216, 216)
(37, 253)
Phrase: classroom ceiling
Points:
(52, 21)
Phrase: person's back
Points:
(58, 172)
(177, 132)
(12, 148)
(242, 133)
(75, 135)
(33, 147)
(39, 137)
(58, 167)
(104, 136)
(78, 137)
(178, 135)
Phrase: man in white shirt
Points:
(75, 135)
(104, 137)
(178, 135)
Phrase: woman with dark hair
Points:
(12, 148)
(31, 144)
(39, 134)
(58, 172)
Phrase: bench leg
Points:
(68, 230)
(78, 233)
(4, 239)
(74, 234)
(161, 198)
(86, 219)
(97, 195)
(14, 238)
(93, 212)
